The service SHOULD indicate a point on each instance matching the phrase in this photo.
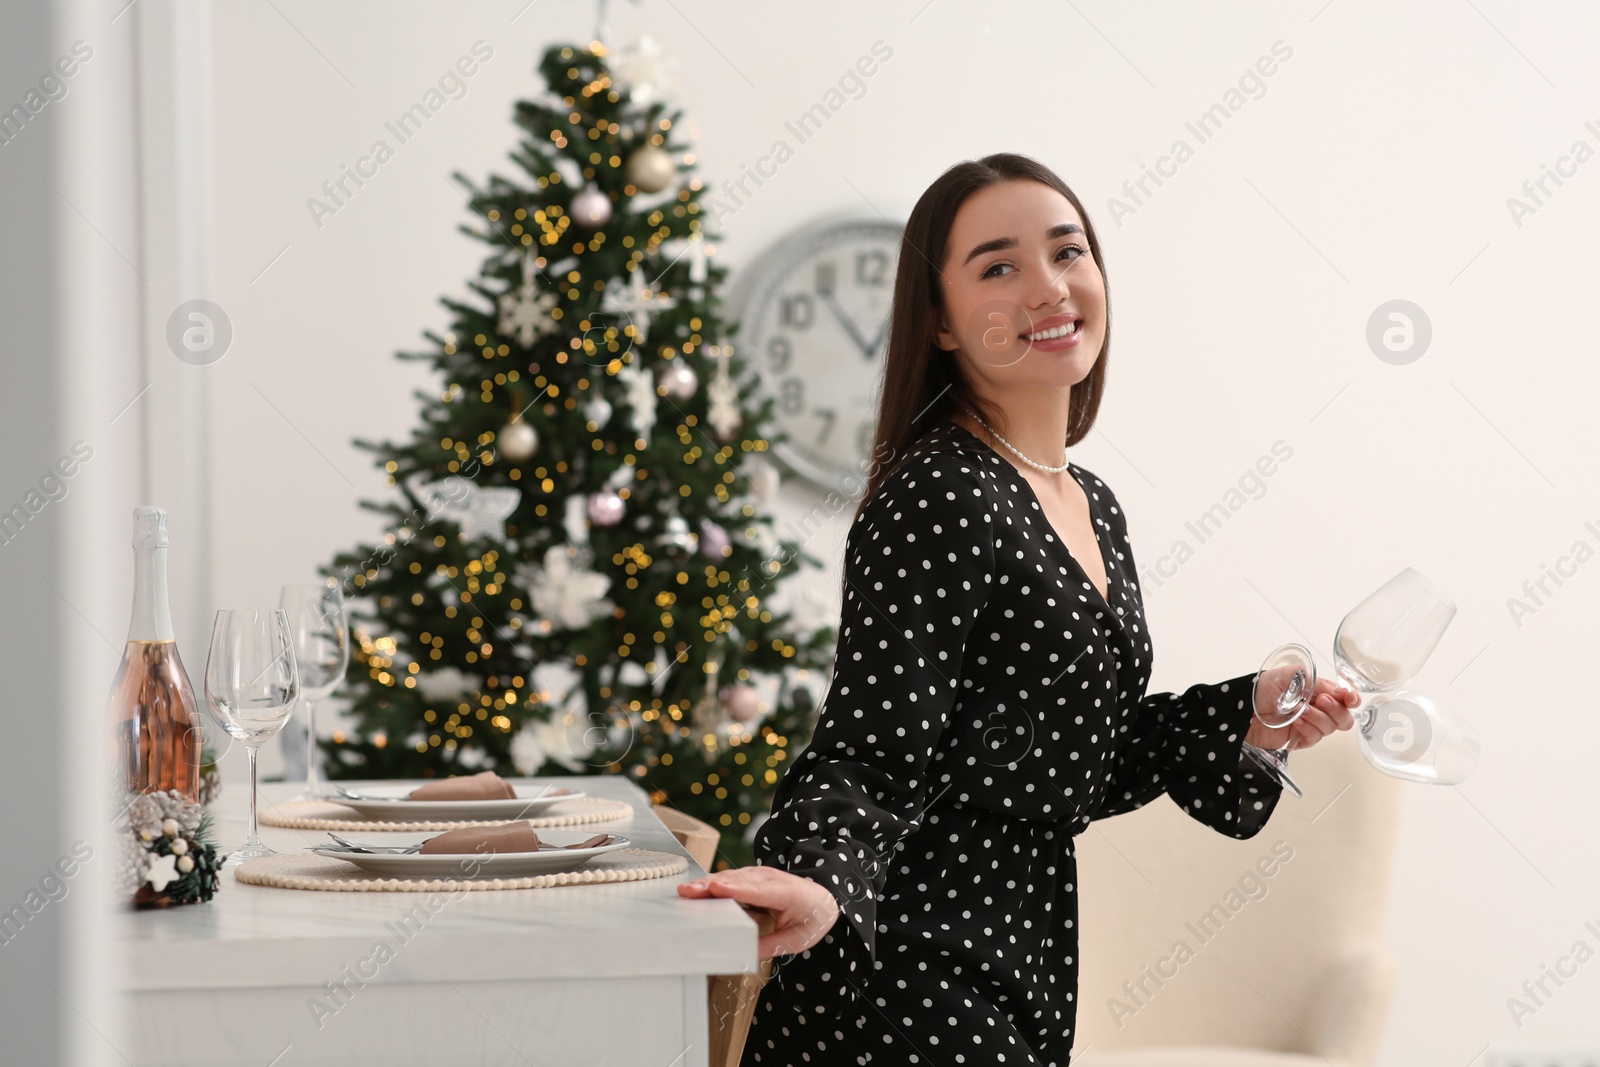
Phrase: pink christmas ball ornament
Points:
(605, 508)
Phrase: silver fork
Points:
(348, 795)
(394, 850)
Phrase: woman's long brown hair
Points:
(922, 384)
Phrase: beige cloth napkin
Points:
(485, 785)
(493, 840)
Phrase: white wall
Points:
(1376, 166)
(70, 293)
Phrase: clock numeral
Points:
(792, 395)
(825, 279)
(778, 353)
(872, 267)
(827, 415)
(796, 311)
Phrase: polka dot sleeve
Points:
(1191, 747)
(918, 565)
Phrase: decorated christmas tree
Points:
(576, 573)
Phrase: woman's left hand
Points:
(1330, 710)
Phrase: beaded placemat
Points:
(296, 871)
(326, 815)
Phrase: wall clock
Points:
(813, 317)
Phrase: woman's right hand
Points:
(803, 910)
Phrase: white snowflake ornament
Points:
(723, 412)
(525, 312)
(637, 302)
(641, 397)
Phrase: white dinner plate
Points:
(389, 804)
(477, 864)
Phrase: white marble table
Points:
(576, 976)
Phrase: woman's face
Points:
(1018, 263)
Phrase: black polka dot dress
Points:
(987, 703)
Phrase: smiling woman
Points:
(988, 694)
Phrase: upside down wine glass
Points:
(1379, 646)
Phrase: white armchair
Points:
(1198, 950)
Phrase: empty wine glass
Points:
(322, 651)
(251, 686)
(1379, 646)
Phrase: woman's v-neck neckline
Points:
(1094, 522)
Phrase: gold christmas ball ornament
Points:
(651, 169)
(517, 440)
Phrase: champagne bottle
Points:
(155, 720)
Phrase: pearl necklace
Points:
(1015, 450)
